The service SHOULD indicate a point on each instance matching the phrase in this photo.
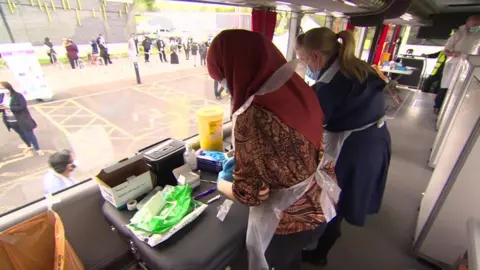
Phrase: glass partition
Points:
(98, 110)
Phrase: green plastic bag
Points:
(178, 204)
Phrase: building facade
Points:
(80, 20)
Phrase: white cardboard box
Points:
(115, 187)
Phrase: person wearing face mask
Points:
(277, 169)
(16, 117)
(62, 164)
(357, 140)
(304, 71)
(464, 41)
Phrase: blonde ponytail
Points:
(350, 65)
(325, 40)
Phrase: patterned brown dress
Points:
(269, 153)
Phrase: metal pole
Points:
(329, 21)
(392, 38)
(361, 41)
(7, 26)
(137, 72)
(373, 48)
(293, 27)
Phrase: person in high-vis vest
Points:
(436, 75)
(462, 42)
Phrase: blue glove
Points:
(227, 172)
(218, 156)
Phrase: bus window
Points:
(421, 46)
(280, 36)
(339, 24)
(368, 44)
(360, 34)
(311, 21)
(98, 111)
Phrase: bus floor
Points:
(386, 240)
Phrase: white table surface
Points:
(395, 71)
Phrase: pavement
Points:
(104, 116)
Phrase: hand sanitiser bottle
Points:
(190, 157)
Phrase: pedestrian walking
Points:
(186, 48)
(95, 51)
(161, 50)
(16, 117)
(147, 45)
(203, 54)
(194, 49)
(72, 53)
(48, 45)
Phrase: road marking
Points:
(111, 91)
(55, 123)
(103, 119)
(62, 106)
(88, 124)
(70, 116)
(16, 158)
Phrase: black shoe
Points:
(313, 258)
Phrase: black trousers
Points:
(217, 91)
(285, 251)
(53, 58)
(187, 54)
(330, 236)
(427, 85)
(442, 92)
(147, 55)
(106, 57)
(163, 56)
(73, 62)
(203, 60)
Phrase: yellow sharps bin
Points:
(210, 128)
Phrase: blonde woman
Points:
(356, 135)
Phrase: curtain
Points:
(381, 43)
(350, 26)
(395, 39)
(264, 22)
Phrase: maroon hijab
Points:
(246, 60)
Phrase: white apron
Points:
(468, 44)
(263, 220)
(334, 140)
(448, 71)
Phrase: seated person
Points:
(61, 164)
(410, 53)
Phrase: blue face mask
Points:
(312, 75)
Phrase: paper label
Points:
(224, 209)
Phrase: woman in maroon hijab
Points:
(278, 142)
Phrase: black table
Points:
(206, 243)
